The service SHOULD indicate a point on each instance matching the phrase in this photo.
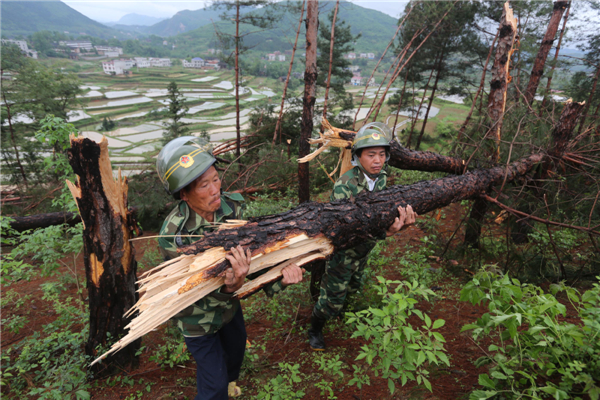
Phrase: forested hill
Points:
(376, 29)
(26, 17)
(183, 21)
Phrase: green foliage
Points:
(539, 353)
(173, 351)
(281, 387)
(108, 124)
(397, 350)
(266, 204)
(51, 364)
(48, 247)
(177, 110)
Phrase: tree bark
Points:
(12, 138)
(21, 224)
(346, 223)
(287, 80)
(237, 83)
(331, 43)
(540, 60)
(496, 107)
(560, 37)
(109, 257)
(308, 101)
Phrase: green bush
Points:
(538, 354)
(395, 349)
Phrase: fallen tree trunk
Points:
(309, 232)
(21, 224)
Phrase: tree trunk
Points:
(21, 224)
(560, 38)
(287, 80)
(310, 91)
(349, 222)
(399, 105)
(12, 139)
(496, 106)
(109, 257)
(435, 84)
(237, 83)
(414, 121)
(481, 85)
(331, 43)
(540, 60)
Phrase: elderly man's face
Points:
(204, 194)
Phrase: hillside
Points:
(183, 21)
(138, 19)
(376, 29)
(27, 17)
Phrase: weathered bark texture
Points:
(501, 74)
(496, 106)
(21, 224)
(540, 60)
(347, 223)
(560, 38)
(109, 257)
(308, 101)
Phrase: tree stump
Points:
(109, 256)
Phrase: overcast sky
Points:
(113, 10)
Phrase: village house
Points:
(271, 57)
(21, 44)
(354, 68)
(77, 46)
(109, 51)
(160, 62)
(363, 55)
(196, 62)
(212, 64)
(142, 62)
(371, 56)
(281, 57)
(117, 67)
(356, 80)
(351, 56)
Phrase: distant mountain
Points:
(138, 19)
(375, 27)
(184, 21)
(27, 17)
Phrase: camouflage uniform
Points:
(210, 313)
(343, 274)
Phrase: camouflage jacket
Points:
(353, 182)
(210, 313)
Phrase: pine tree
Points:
(177, 110)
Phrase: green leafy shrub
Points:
(281, 387)
(539, 354)
(397, 350)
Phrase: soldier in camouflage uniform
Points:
(213, 327)
(344, 272)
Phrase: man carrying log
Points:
(343, 273)
(213, 327)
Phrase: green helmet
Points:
(374, 134)
(182, 160)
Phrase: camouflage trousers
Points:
(343, 277)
